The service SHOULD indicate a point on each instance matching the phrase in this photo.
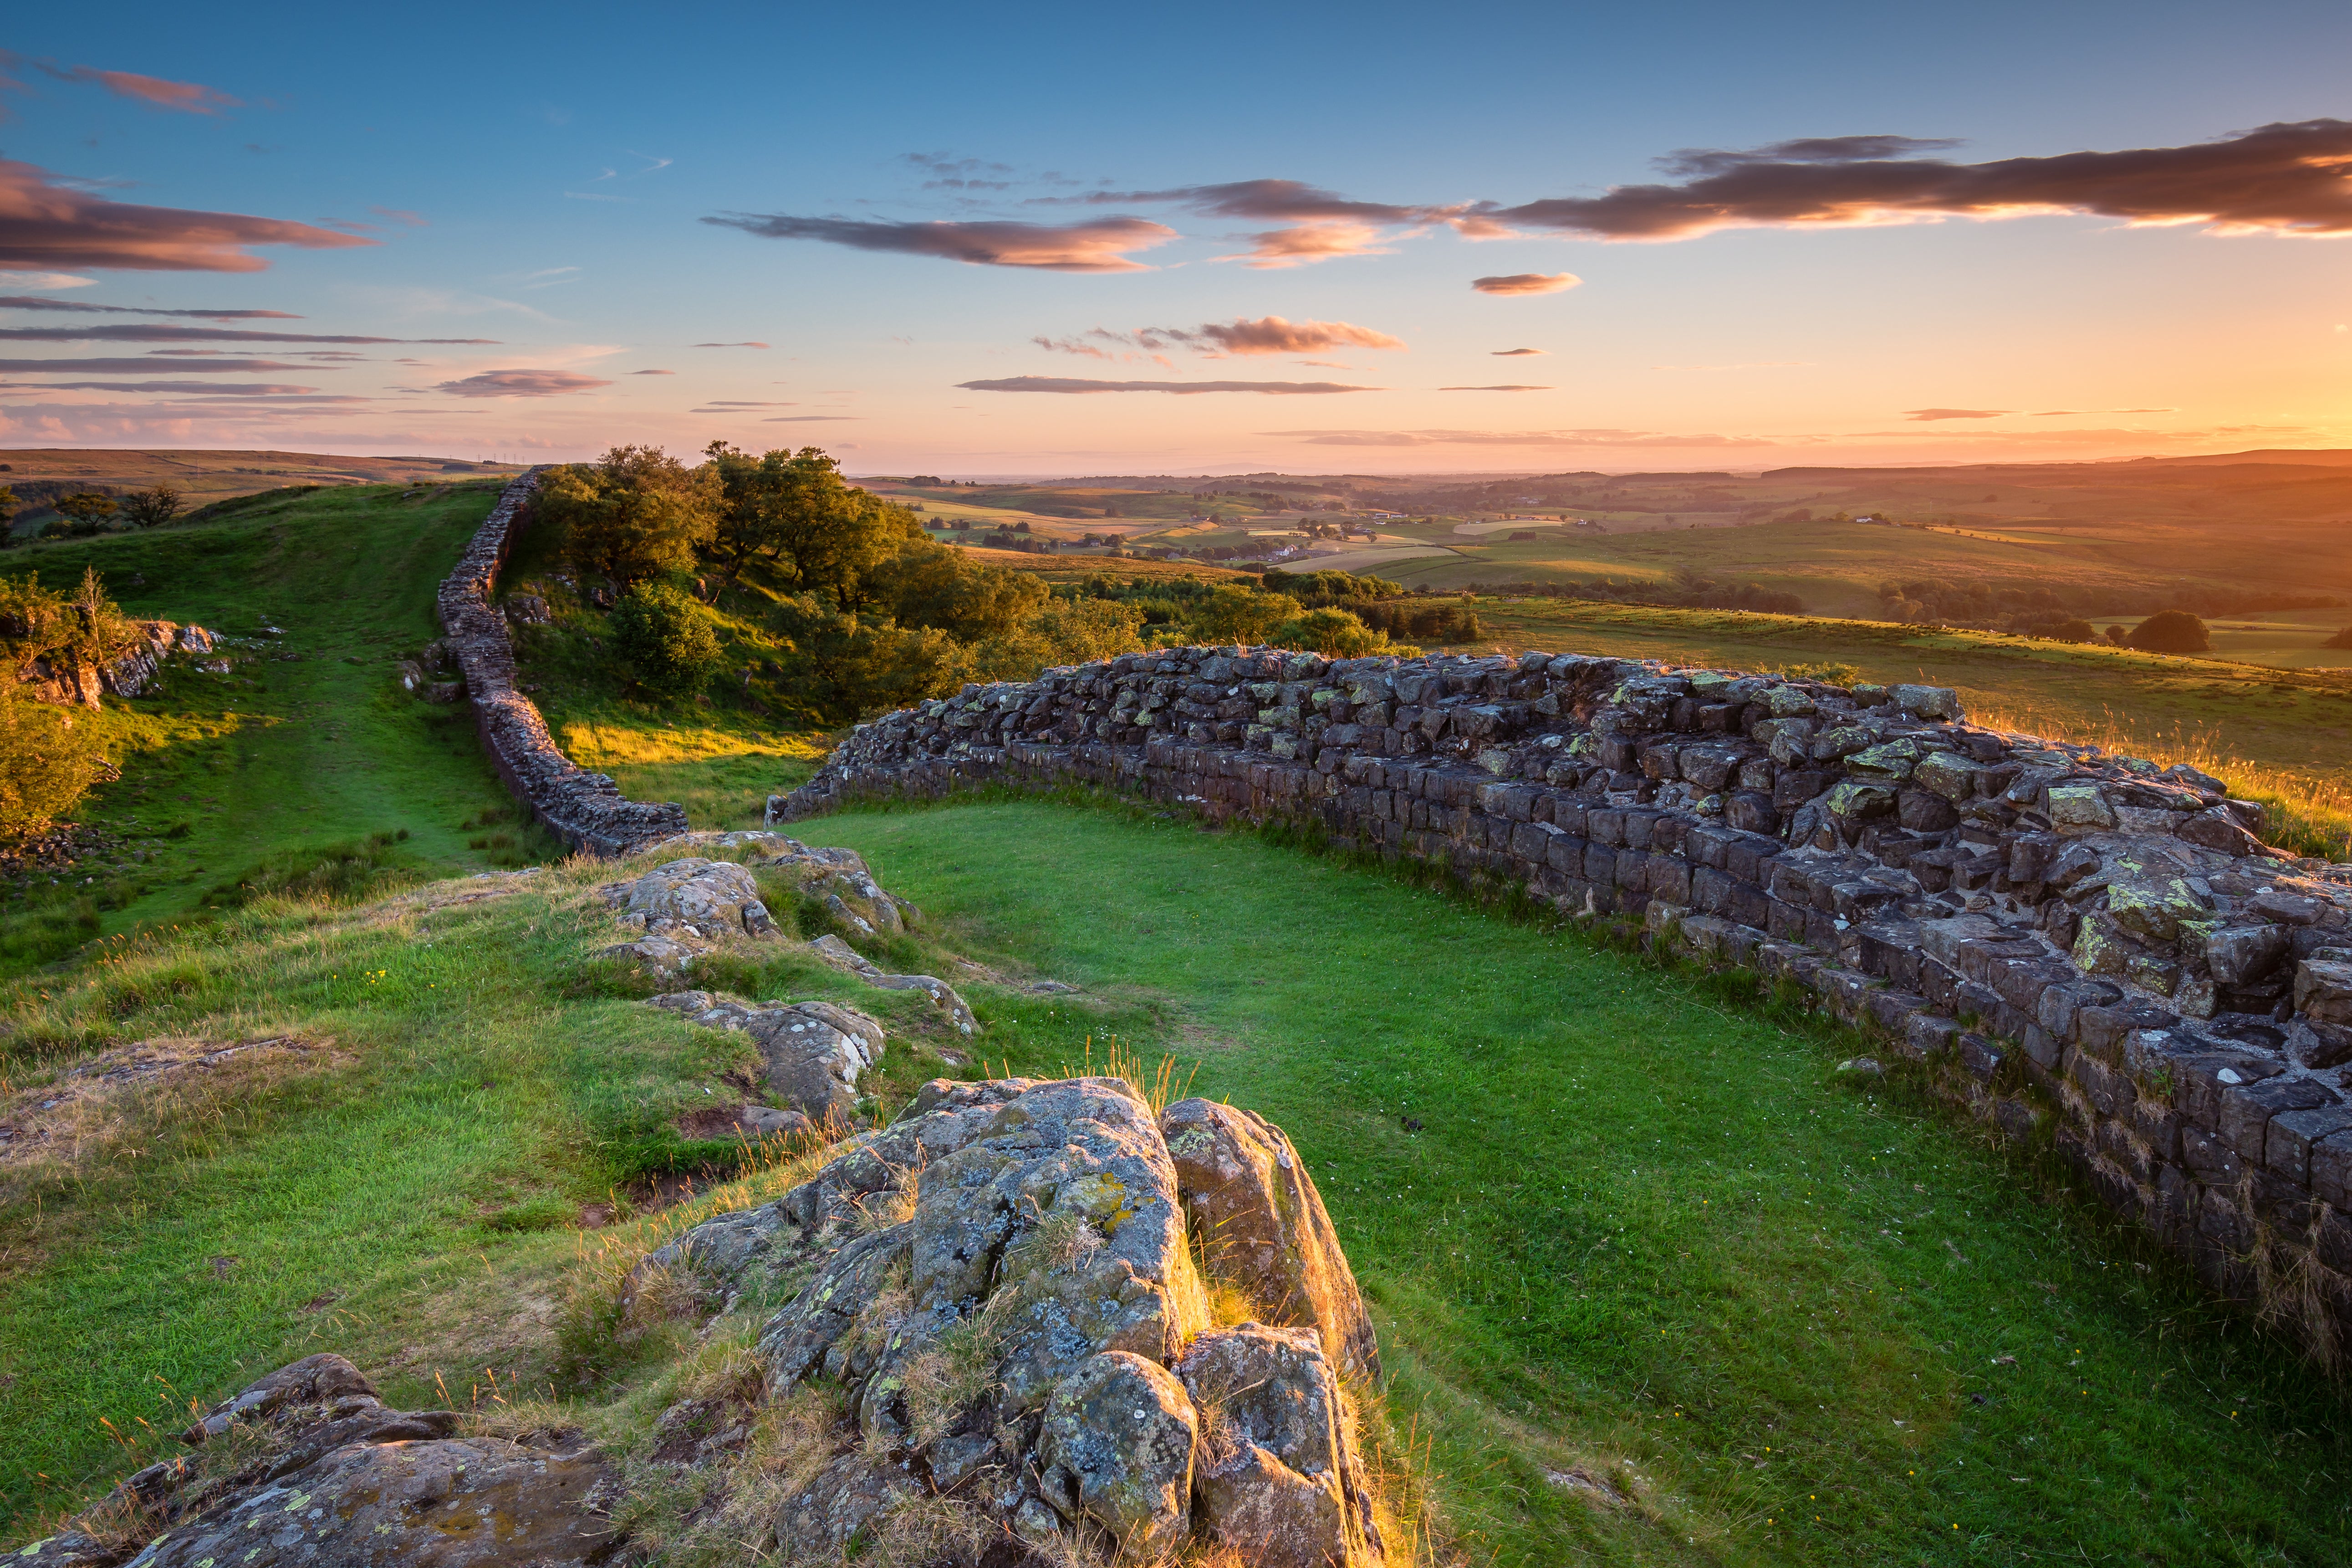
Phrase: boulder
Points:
(333, 1478)
(814, 1051)
(1246, 1193)
(1277, 1477)
(832, 950)
(710, 899)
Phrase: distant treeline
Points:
(2041, 610)
(1686, 590)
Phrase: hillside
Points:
(38, 476)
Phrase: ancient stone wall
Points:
(2074, 945)
(586, 810)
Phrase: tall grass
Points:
(2303, 813)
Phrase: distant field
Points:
(204, 477)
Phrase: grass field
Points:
(309, 741)
(205, 477)
(1614, 1225)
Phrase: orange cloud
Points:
(2283, 178)
(1311, 242)
(1497, 389)
(1515, 353)
(1930, 413)
(520, 383)
(187, 97)
(1100, 245)
(1526, 283)
(1266, 335)
(43, 225)
(1180, 388)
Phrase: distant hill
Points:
(39, 475)
(2315, 456)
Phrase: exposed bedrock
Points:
(586, 810)
(2067, 939)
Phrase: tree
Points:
(639, 514)
(7, 516)
(2075, 631)
(932, 584)
(1332, 632)
(152, 509)
(1229, 612)
(2171, 631)
(81, 512)
(667, 639)
(794, 510)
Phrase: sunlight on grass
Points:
(595, 744)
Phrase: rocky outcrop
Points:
(683, 909)
(812, 1051)
(70, 679)
(1001, 1288)
(2066, 939)
(329, 1477)
(586, 810)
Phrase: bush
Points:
(667, 639)
(44, 770)
(1335, 633)
(2075, 631)
(2171, 631)
(839, 667)
(2341, 640)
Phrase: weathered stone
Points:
(2323, 990)
(1276, 1477)
(814, 1051)
(2079, 808)
(1927, 702)
(1116, 1449)
(1248, 1196)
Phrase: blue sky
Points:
(557, 167)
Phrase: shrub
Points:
(152, 509)
(2341, 640)
(839, 667)
(667, 639)
(2171, 631)
(81, 514)
(343, 873)
(2075, 631)
(44, 770)
(1329, 631)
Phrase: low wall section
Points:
(2074, 944)
(586, 810)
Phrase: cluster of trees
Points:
(81, 513)
(2062, 610)
(1332, 613)
(833, 593)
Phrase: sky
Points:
(1060, 240)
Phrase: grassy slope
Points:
(285, 753)
(1638, 1232)
(204, 477)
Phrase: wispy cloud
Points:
(2282, 178)
(1928, 415)
(1601, 438)
(1180, 388)
(86, 308)
(1100, 245)
(1497, 389)
(183, 388)
(741, 345)
(1242, 336)
(156, 92)
(131, 364)
(520, 383)
(653, 373)
(400, 215)
(2084, 413)
(811, 418)
(1515, 354)
(143, 333)
(45, 224)
(1526, 283)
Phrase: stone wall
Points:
(2074, 945)
(586, 810)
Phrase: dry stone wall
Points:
(586, 810)
(2074, 944)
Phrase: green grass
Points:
(1643, 1229)
(284, 754)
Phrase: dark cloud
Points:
(1497, 389)
(187, 97)
(1097, 246)
(145, 334)
(31, 302)
(811, 418)
(1182, 388)
(2283, 178)
(182, 388)
(959, 174)
(45, 224)
(1263, 200)
(1526, 283)
(741, 345)
(653, 373)
(126, 364)
(1932, 414)
(1515, 354)
(520, 383)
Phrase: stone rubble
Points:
(2067, 938)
